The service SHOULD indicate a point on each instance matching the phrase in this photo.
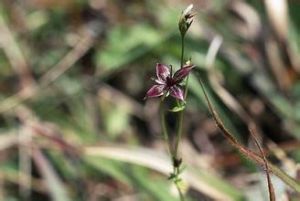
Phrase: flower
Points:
(166, 83)
(186, 19)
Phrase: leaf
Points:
(178, 108)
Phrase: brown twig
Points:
(248, 153)
(267, 169)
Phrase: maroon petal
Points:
(160, 82)
(162, 71)
(155, 91)
(176, 92)
(182, 73)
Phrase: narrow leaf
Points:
(177, 108)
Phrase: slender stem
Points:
(163, 125)
(176, 170)
(179, 133)
(182, 52)
(180, 192)
(180, 120)
(180, 115)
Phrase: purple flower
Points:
(166, 83)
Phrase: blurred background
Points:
(73, 122)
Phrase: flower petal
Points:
(160, 82)
(176, 92)
(182, 73)
(162, 71)
(155, 91)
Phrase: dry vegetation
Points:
(74, 125)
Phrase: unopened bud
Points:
(186, 20)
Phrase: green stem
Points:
(179, 133)
(181, 196)
(180, 120)
(176, 167)
(163, 125)
(182, 52)
(180, 115)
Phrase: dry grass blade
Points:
(25, 139)
(248, 153)
(278, 16)
(279, 152)
(223, 94)
(20, 180)
(15, 56)
(8, 140)
(52, 180)
(267, 170)
(84, 44)
(161, 163)
(247, 21)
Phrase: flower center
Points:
(170, 82)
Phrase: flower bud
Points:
(186, 20)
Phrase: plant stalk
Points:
(181, 196)
(182, 51)
(164, 126)
(180, 115)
